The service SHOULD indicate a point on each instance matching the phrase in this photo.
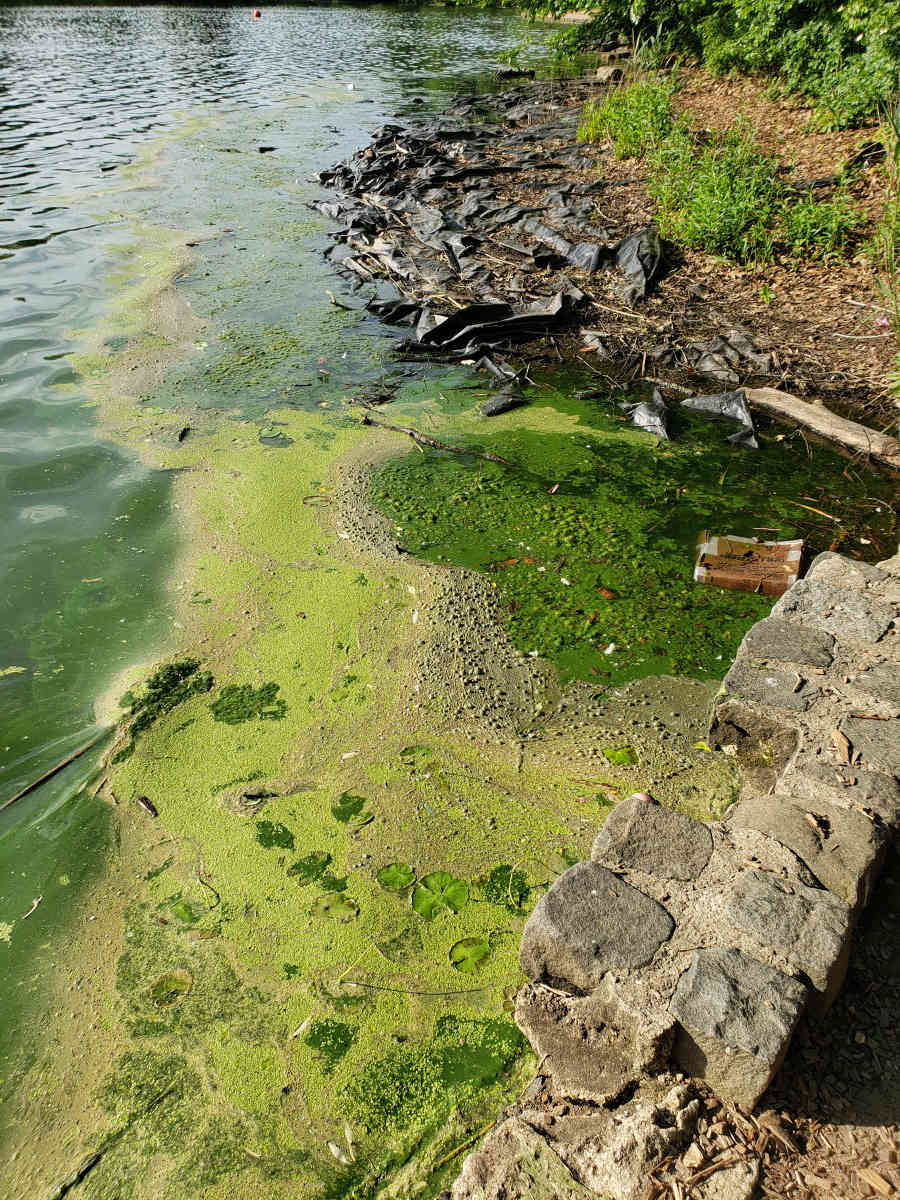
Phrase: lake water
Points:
(87, 539)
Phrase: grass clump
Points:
(813, 228)
(635, 118)
(720, 198)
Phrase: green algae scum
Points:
(398, 693)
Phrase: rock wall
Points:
(683, 949)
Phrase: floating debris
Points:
(748, 564)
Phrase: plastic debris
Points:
(730, 406)
(650, 415)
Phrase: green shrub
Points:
(844, 57)
(636, 118)
(720, 198)
(813, 228)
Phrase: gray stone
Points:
(843, 849)
(808, 926)
(789, 642)
(736, 1016)
(847, 786)
(876, 742)
(588, 923)
(835, 569)
(881, 681)
(762, 745)
(848, 614)
(593, 1046)
(612, 1151)
(514, 1161)
(768, 686)
(641, 835)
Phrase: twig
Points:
(435, 444)
(55, 770)
(379, 987)
(201, 872)
(87, 1165)
(468, 1142)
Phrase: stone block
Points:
(736, 1017)
(810, 927)
(515, 1161)
(786, 641)
(588, 923)
(843, 849)
(767, 686)
(849, 787)
(877, 743)
(881, 681)
(593, 1046)
(762, 745)
(641, 835)
(835, 569)
(850, 615)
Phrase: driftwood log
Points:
(820, 420)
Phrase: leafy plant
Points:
(720, 198)
(621, 757)
(506, 887)
(635, 118)
(439, 890)
(813, 228)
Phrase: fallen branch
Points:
(827, 424)
(425, 440)
(54, 770)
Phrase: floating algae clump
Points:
(168, 686)
(464, 1055)
(238, 702)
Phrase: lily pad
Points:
(415, 756)
(396, 877)
(170, 988)
(310, 868)
(404, 945)
(622, 757)
(468, 952)
(439, 890)
(336, 907)
(184, 911)
(331, 883)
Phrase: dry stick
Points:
(434, 443)
(87, 1165)
(55, 770)
(468, 1142)
(380, 987)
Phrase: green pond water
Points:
(275, 953)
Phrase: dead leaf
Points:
(843, 745)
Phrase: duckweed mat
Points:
(590, 538)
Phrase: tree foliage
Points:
(845, 57)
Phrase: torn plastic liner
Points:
(731, 406)
(650, 415)
(640, 257)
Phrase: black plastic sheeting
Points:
(728, 406)
(650, 415)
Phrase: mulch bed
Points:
(487, 203)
